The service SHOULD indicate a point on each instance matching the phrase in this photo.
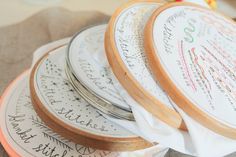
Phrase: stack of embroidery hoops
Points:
(81, 96)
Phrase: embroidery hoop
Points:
(129, 82)
(169, 86)
(74, 133)
(99, 102)
(9, 149)
(18, 150)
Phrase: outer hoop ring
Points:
(132, 86)
(102, 104)
(10, 150)
(77, 135)
(171, 88)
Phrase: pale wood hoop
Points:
(170, 87)
(129, 82)
(9, 149)
(77, 135)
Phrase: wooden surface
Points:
(170, 87)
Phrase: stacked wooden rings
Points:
(164, 55)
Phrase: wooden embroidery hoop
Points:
(9, 149)
(77, 135)
(21, 150)
(132, 86)
(168, 85)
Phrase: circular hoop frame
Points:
(101, 103)
(133, 87)
(173, 91)
(77, 135)
(93, 99)
(10, 150)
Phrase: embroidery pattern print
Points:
(58, 141)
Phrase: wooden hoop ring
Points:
(132, 86)
(168, 85)
(77, 135)
(9, 149)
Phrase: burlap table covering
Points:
(19, 41)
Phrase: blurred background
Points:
(13, 11)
